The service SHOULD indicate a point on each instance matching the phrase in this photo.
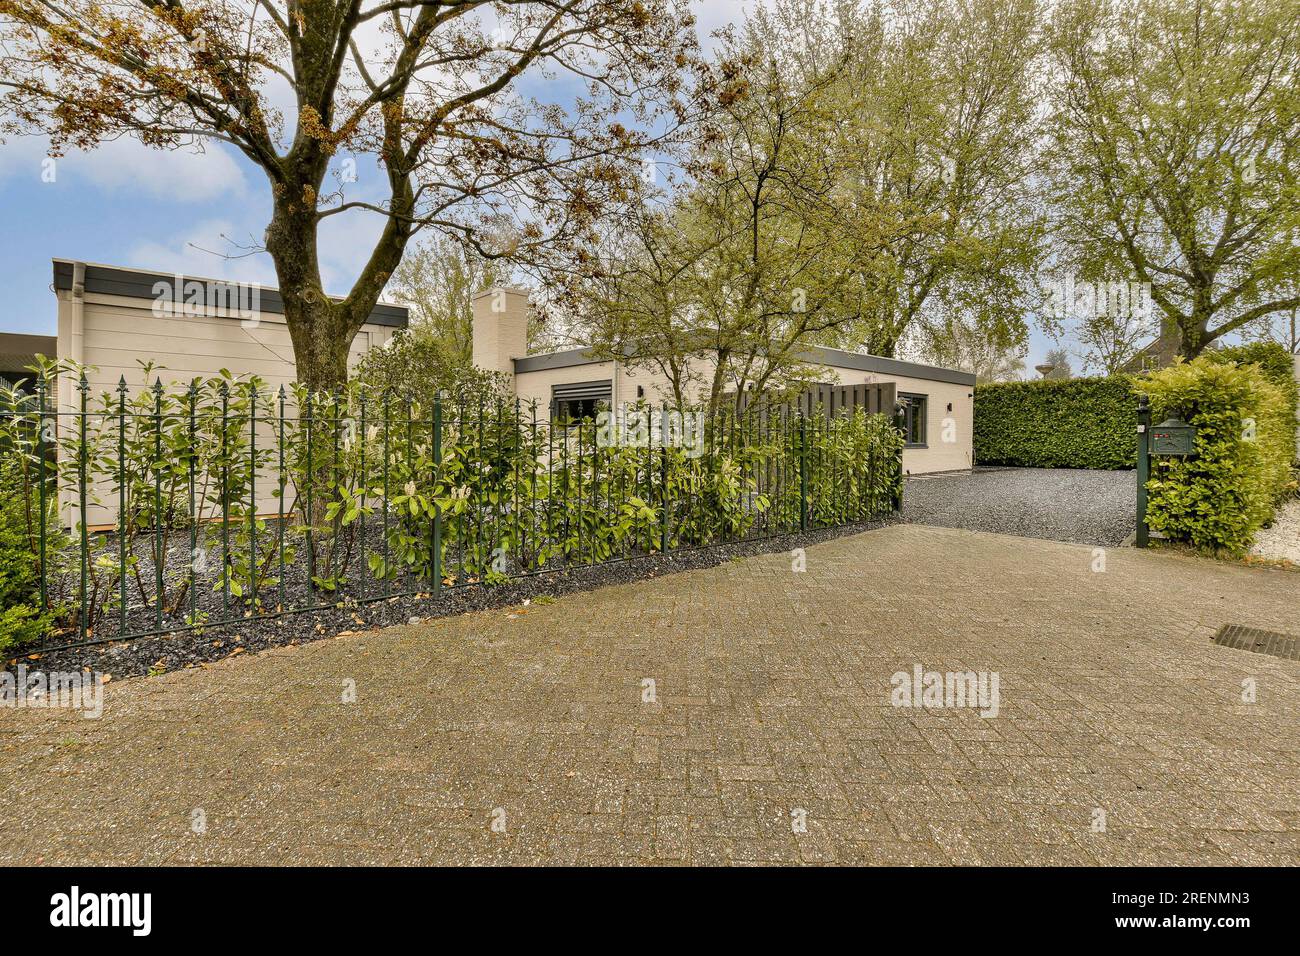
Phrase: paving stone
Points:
(773, 699)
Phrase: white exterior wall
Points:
(499, 334)
(941, 424)
(113, 334)
(536, 386)
(624, 381)
(949, 433)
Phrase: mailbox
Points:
(1173, 437)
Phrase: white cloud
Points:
(202, 251)
(165, 174)
(176, 175)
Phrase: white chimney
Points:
(500, 328)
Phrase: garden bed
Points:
(360, 611)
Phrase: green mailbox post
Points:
(1172, 438)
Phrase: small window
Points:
(913, 413)
(579, 401)
(575, 409)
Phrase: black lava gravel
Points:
(186, 648)
(1089, 507)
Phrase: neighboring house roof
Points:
(1145, 359)
(139, 284)
(818, 355)
(19, 351)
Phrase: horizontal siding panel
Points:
(182, 367)
(208, 353)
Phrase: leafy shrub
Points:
(514, 495)
(357, 478)
(1078, 423)
(414, 366)
(21, 618)
(1245, 444)
(1274, 361)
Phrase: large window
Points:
(913, 418)
(579, 400)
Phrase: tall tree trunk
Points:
(320, 329)
(321, 343)
(1194, 328)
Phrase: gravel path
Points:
(1089, 507)
(1281, 540)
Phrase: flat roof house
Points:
(112, 318)
(938, 402)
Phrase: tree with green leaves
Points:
(438, 281)
(936, 100)
(864, 175)
(1062, 367)
(722, 283)
(1172, 148)
(963, 345)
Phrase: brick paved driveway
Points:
(773, 697)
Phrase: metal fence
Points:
(162, 510)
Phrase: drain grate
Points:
(1286, 646)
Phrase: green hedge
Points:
(1217, 499)
(1076, 423)
(1274, 361)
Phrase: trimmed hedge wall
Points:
(1075, 423)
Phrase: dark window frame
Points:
(916, 414)
(571, 411)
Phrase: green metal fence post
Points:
(665, 536)
(896, 493)
(252, 496)
(192, 454)
(279, 531)
(83, 387)
(1143, 469)
(121, 503)
(386, 399)
(40, 465)
(436, 553)
(225, 502)
(159, 544)
(803, 471)
(308, 515)
(363, 480)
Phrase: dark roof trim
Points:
(819, 355)
(17, 350)
(566, 359)
(816, 356)
(107, 280)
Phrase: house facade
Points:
(111, 318)
(938, 403)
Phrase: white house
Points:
(939, 402)
(111, 318)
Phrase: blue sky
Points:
(174, 211)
